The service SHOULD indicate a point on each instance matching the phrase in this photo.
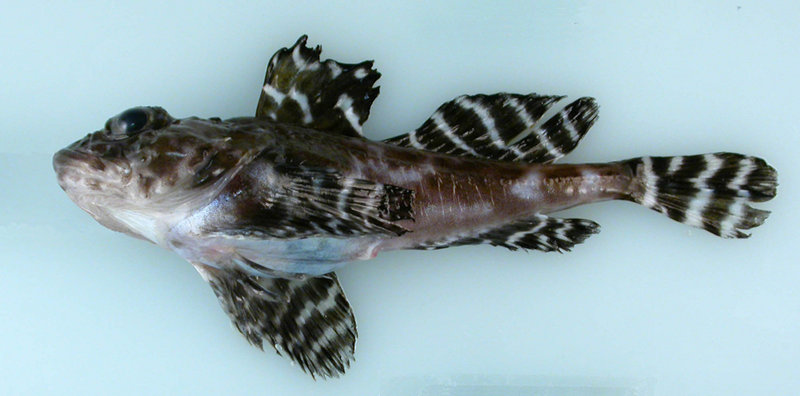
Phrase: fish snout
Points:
(63, 161)
(70, 164)
(66, 158)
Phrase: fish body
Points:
(452, 196)
(267, 207)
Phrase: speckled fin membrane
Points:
(540, 232)
(503, 127)
(318, 202)
(308, 320)
(300, 89)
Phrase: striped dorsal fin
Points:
(486, 126)
(540, 232)
(329, 96)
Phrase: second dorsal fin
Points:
(328, 96)
(485, 126)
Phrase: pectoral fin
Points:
(319, 202)
(309, 320)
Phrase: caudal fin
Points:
(709, 191)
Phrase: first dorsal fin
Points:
(485, 126)
(328, 96)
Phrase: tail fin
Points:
(709, 191)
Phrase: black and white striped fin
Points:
(540, 232)
(329, 96)
(710, 191)
(309, 320)
(306, 202)
(486, 126)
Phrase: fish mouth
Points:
(74, 164)
(67, 158)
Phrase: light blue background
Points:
(646, 306)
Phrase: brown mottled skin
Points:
(452, 194)
(193, 161)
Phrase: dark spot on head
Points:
(97, 164)
(206, 170)
(146, 184)
(172, 179)
(199, 156)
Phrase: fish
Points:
(267, 208)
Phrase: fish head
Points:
(145, 169)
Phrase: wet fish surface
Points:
(266, 208)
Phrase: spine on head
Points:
(709, 191)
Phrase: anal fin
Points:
(539, 232)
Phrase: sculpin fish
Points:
(266, 208)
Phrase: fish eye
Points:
(135, 120)
(131, 121)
